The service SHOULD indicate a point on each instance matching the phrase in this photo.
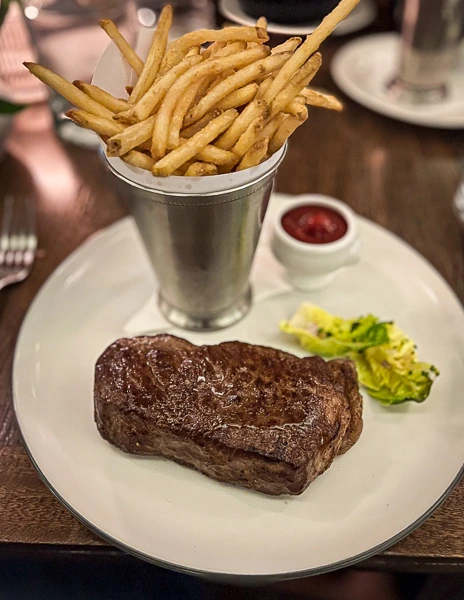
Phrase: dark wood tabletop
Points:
(400, 176)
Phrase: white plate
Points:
(362, 16)
(364, 67)
(403, 466)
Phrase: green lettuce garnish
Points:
(319, 332)
(385, 357)
(391, 372)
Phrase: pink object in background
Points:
(16, 83)
(69, 41)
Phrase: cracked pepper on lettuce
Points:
(385, 358)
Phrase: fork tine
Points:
(18, 240)
(19, 231)
(23, 240)
(31, 226)
(6, 224)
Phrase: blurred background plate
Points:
(362, 16)
(365, 67)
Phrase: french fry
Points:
(161, 129)
(213, 48)
(255, 109)
(309, 46)
(296, 107)
(155, 95)
(181, 154)
(180, 117)
(262, 23)
(301, 78)
(289, 45)
(212, 154)
(155, 55)
(207, 81)
(288, 126)
(219, 78)
(200, 169)
(254, 155)
(209, 67)
(273, 125)
(100, 125)
(210, 82)
(240, 60)
(131, 137)
(102, 97)
(188, 132)
(179, 113)
(68, 91)
(239, 97)
(138, 159)
(223, 169)
(241, 78)
(315, 98)
(263, 86)
(249, 137)
(180, 47)
(144, 146)
(180, 172)
(230, 48)
(124, 47)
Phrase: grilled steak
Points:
(243, 414)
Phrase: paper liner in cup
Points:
(112, 74)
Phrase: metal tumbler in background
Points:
(458, 203)
(430, 35)
(201, 247)
(69, 41)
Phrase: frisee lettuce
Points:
(319, 332)
(385, 357)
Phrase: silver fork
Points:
(18, 240)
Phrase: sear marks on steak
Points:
(243, 414)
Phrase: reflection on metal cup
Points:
(201, 247)
(430, 34)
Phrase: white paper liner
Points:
(112, 74)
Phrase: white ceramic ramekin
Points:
(314, 266)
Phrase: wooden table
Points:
(398, 175)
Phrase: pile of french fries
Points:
(198, 110)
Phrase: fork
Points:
(18, 240)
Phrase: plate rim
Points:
(262, 577)
(87, 245)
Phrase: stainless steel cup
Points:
(201, 247)
(430, 34)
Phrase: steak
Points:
(243, 414)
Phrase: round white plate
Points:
(362, 16)
(363, 69)
(403, 466)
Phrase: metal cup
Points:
(201, 247)
(430, 34)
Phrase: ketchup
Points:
(314, 224)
